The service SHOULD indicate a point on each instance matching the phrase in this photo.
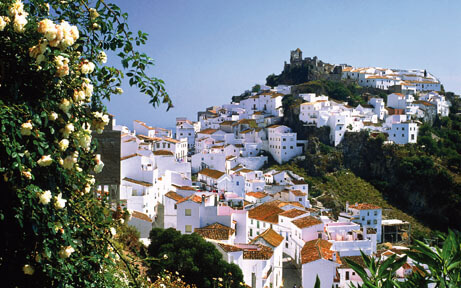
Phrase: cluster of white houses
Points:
(400, 80)
(398, 120)
(207, 179)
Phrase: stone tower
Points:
(296, 57)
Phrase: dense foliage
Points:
(52, 83)
(190, 255)
(437, 266)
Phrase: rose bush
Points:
(52, 83)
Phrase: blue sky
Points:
(207, 51)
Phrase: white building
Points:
(283, 144)
(187, 129)
(403, 133)
(367, 215)
(318, 259)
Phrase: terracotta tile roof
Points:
(215, 231)
(293, 203)
(130, 156)
(171, 140)
(271, 237)
(292, 213)
(273, 126)
(298, 193)
(144, 124)
(188, 188)
(265, 212)
(261, 253)
(230, 157)
(141, 216)
(193, 198)
(143, 183)
(208, 131)
(215, 174)
(364, 206)
(163, 152)
(307, 221)
(317, 249)
(229, 248)
(425, 103)
(173, 195)
(258, 194)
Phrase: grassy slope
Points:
(337, 188)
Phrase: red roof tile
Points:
(364, 206)
(292, 213)
(141, 216)
(193, 197)
(215, 231)
(271, 237)
(258, 195)
(173, 195)
(307, 221)
(317, 249)
(143, 183)
(215, 174)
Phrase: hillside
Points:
(333, 189)
(421, 180)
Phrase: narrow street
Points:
(291, 275)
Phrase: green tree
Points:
(191, 256)
(256, 88)
(52, 83)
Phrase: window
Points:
(347, 275)
(291, 147)
(257, 224)
(375, 213)
(188, 212)
(188, 228)
(251, 221)
(284, 139)
(175, 206)
(284, 147)
(368, 222)
(286, 244)
(375, 221)
(300, 199)
(251, 232)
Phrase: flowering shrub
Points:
(52, 83)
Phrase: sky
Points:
(206, 51)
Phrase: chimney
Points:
(203, 200)
(347, 206)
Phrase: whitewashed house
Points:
(273, 240)
(283, 144)
(318, 259)
(367, 215)
(187, 129)
(403, 133)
